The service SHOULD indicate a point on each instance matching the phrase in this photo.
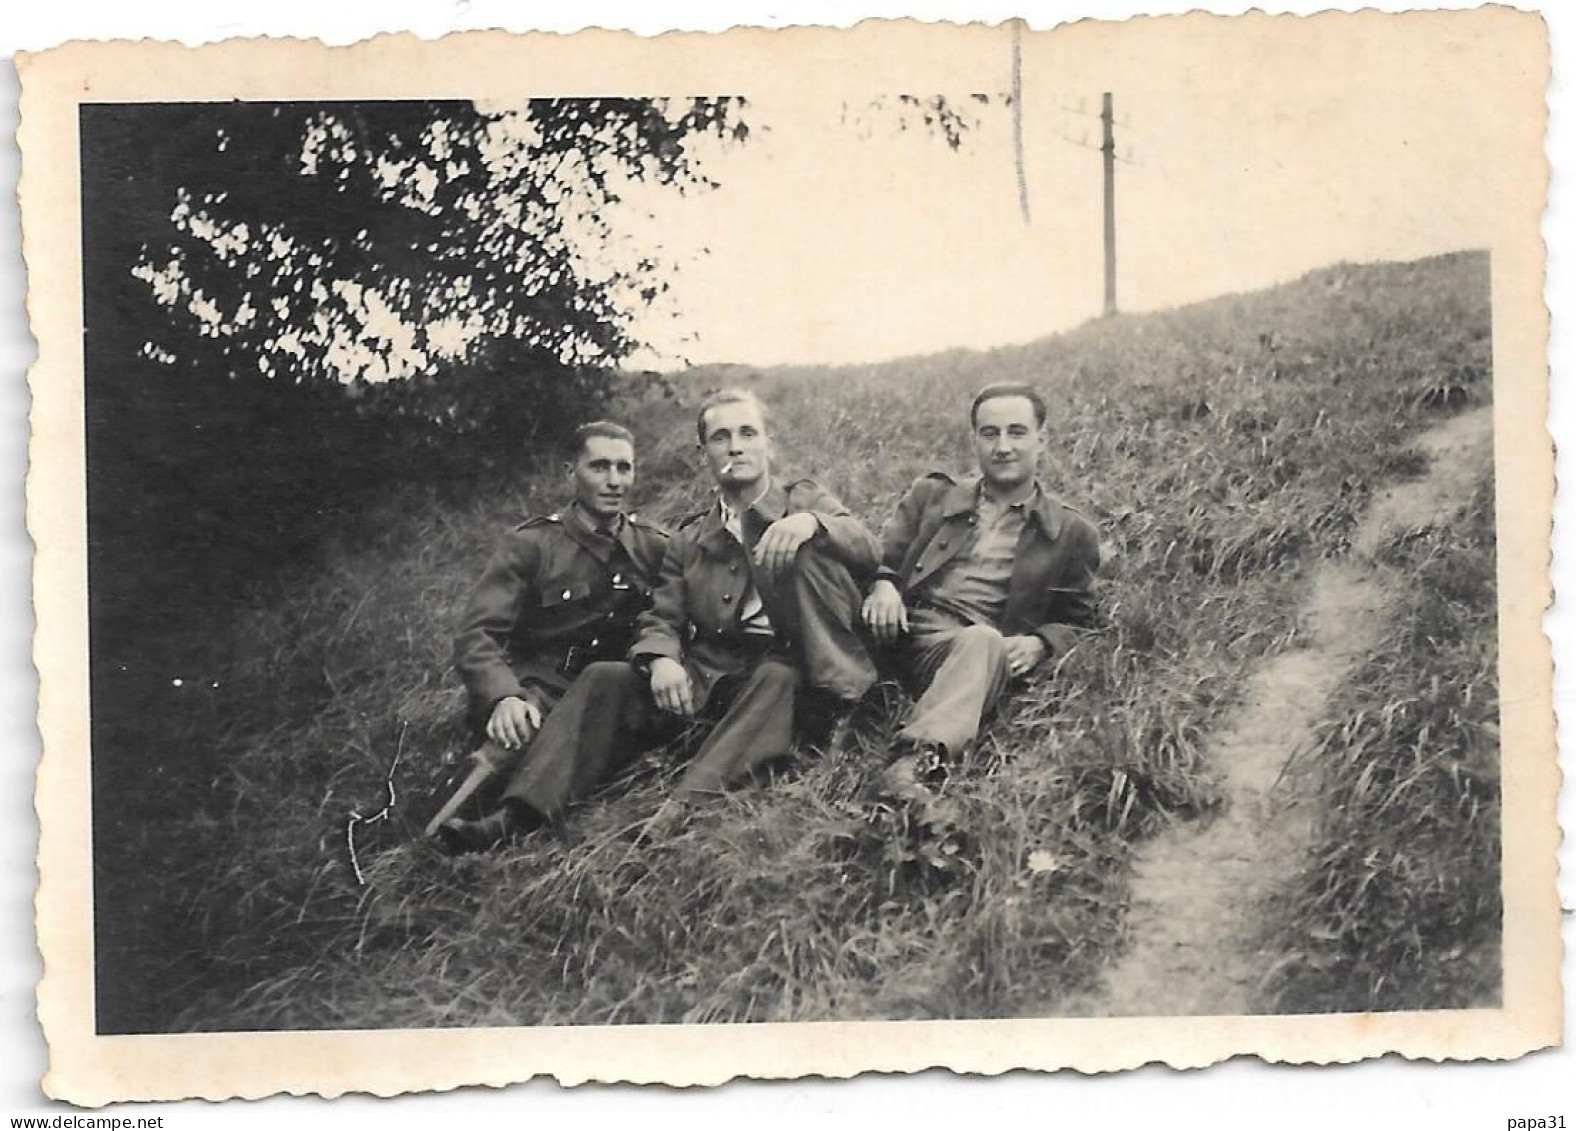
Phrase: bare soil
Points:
(1198, 889)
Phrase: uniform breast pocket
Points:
(629, 590)
(565, 593)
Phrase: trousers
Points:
(958, 672)
(607, 720)
(814, 609)
(751, 688)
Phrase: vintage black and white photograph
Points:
(1023, 544)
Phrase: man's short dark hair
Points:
(603, 428)
(722, 397)
(1009, 389)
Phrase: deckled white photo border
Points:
(92, 1069)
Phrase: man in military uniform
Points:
(981, 580)
(561, 592)
(756, 606)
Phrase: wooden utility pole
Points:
(1108, 156)
(1108, 159)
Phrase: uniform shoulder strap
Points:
(535, 521)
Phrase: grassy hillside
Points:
(1398, 906)
(1220, 448)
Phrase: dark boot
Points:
(504, 824)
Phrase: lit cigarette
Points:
(727, 467)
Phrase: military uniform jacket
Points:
(1049, 592)
(555, 596)
(694, 614)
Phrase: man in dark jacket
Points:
(756, 603)
(980, 580)
(561, 592)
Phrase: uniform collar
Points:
(964, 498)
(580, 526)
(580, 515)
(770, 504)
(767, 508)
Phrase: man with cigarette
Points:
(756, 608)
(561, 591)
(982, 580)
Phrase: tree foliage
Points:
(291, 304)
(948, 118)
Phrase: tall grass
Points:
(1220, 449)
(1398, 905)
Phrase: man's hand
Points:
(670, 686)
(885, 614)
(513, 722)
(777, 545)
(1024, 652)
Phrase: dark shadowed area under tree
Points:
(296, 311)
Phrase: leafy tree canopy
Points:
(424, 242)
(290, 306)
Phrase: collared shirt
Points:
(973, 585)
(589, 522)
(604, 540)
(752, 614)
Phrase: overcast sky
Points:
(833, 241)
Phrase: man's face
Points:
(1007, 441)
(602, 475)
(738, 450)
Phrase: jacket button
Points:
(568, 593)
(617, 578)
(727, 596)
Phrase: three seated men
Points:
(768, 599)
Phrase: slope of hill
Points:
(1221, 449)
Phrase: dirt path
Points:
(1196, 888)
